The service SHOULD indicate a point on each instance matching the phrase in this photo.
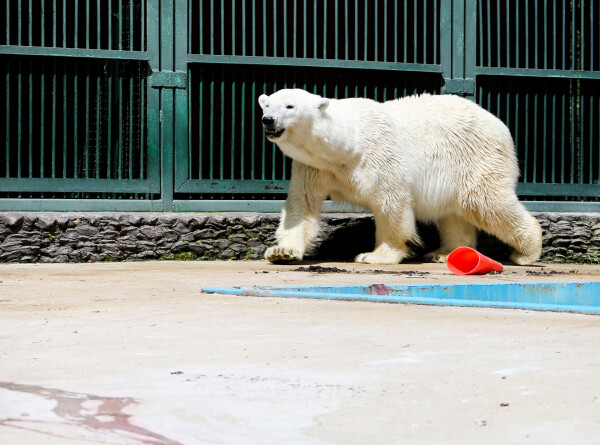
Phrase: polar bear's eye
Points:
(289, 107)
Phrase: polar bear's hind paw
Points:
(279, 254)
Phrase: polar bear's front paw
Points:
(280, 254)
(374, 258)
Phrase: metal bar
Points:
(109, 160)
(385, 31)
(120, 25)
(324, 29)
(81, 205)
(285, 30)
(554, 150)
(554, 32)
(336, 40)
(65, 120)
(53, 131)
(517, 34)
(582, 37)
(200, 122)
(563, 137)
(234, 186)
(253, 130)
(274, 24)
(212, 26)
(415, 32)
(355, 29)
(254, 28)
(42, 116)
(121, 147)
(222, 30)
(222, 127)
(317, 63)
(8, 22)
(535, 137)
(211, 138)
(98, 127)
(87, 24)
(30, 141)
(542, 73)
(73, 52)
(243, 131)
(572, 138)
(30, 27)
(130, 129)
(304, 22)
(233, 124)
(573, 39)
(87, 123)
(425, 31)
(366, 31)
(396, 33)
(295, 21)
(315, 39)
(243, 28)
(19, 24)
(76, 185)
(527, 144)
(376, 34)
(19, 116)
(131, 24)
(264, 26)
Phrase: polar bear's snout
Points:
(271, 128)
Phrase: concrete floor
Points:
(134, 353)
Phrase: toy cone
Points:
(467, 261)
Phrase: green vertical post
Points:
(458, 52)
(180, 95)
(153, 111)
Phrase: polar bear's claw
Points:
(278, 254)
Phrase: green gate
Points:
(152, 105)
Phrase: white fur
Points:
(438, 159)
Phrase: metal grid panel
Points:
(360, 30)
(537, 34)
(83, 24)
(72, 119)
(74, 104)
(555, 123)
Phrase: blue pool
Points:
(582, 297)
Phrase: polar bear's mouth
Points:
(273, 133)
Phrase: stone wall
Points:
(74, 237)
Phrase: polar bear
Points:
(437, 159)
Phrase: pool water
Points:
(582, 297)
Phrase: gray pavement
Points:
(134, 353)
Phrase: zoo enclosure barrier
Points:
(135, 105)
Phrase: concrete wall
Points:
(74, 237)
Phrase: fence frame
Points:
(167, 116)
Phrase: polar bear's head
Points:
(289, 111)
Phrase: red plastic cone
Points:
(467, 261)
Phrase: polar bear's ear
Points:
(262, 100)
(322, 104)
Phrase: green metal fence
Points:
(152, 105)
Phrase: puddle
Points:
(582, 297)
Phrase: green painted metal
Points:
(154, 102)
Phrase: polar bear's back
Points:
(456, 127)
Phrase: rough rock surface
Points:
(76, 237)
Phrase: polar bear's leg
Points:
(392, 231)
(455, 232)
(513, 224)
(299, 224)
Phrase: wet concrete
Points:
(134, 353)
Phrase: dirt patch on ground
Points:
(321, 269)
